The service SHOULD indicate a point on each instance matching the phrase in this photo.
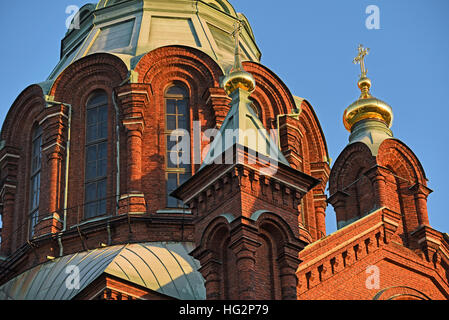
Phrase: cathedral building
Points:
(161, 160)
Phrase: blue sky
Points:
(310, 46)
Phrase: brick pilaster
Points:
(134, 101)
(244, 245)
(55, 129)
(9, 158)
(421, 193)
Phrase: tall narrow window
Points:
(96, 155)
(35, 183)
(178, 170)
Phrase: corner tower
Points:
(377, 170)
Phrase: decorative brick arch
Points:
(354, 157)
(155, 72)
(401, 159)
(281, 247)
(193, 68)
(352, 191)
(23, 113)
(406, 180)
(361, 183)
(271, 93)
(178, 58)
(270, 221)
(318, 151)
(96, 70)
(274, 249)
(217, 226)
(74, 86)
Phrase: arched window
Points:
(254, 107)
(96, 155)
(177, 119)
(35, 180)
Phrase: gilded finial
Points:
(238, 77)
(236, 35)
(364, 82)
(360, 59)
(366, 107)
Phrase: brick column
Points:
(212, 272)
(55, 129)
(50, 221)
(288, 264)
(290, 137)
(421, 193)
(134, 100)
(7, 220)
(244, 246)
(9, 159)
(338, 201)
(379, 183)
(134, 151)
(320, 214)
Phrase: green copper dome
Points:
(132, 28)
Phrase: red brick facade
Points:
(255, 237)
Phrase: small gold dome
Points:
(367, 107)
(239, 79)
(364, 85)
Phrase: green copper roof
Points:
(372, 133)
(243, 127)
(131, 28)
(166, 268)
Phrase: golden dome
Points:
(367, 106)
(239, 79)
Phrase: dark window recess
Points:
(178, 160)
(35, 182)
(96, 156)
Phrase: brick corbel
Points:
(428, 240)
(218, 101)
(391, 222)
(421, 192)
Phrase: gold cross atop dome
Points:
(236, 35)
(237, 30)
(360, 59)
(366, 107)
(238, 78)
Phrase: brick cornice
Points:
(421, 189)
